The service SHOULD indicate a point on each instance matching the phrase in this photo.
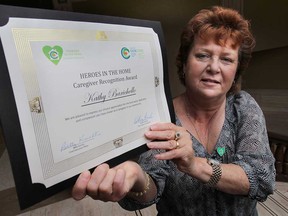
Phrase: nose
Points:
(214, 65)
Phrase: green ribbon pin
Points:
(221, 151)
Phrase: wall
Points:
(268, 68)
(269, 21)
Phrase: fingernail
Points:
(148, 133)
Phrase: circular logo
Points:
(54, 54)
(125, 52)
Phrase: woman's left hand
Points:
(177, 143)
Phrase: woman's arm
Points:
(233, 179)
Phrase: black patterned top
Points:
(244, 137)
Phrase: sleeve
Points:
(158, 171)
(253, 152)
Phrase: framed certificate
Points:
(76, 90)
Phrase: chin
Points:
(211, 93)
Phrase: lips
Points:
(210, 81)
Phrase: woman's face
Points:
(211, 68)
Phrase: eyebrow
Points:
(223, 52)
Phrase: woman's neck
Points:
(202, 119)
(202, 110)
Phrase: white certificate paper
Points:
(85, 92)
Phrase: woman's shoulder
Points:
(242, 103)
(242, 98)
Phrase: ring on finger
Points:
(177, 145)
(177, 135)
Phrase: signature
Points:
(114, 93)
(143, 119)
(80, 141)
(93, 97)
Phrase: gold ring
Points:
(177, 145)
(177, 135)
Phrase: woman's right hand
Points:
(110, 184)
(180, 151)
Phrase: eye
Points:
(227, 60)
(202, 56)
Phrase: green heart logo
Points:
(54, 54)
(221, 151)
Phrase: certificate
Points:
(85, 92)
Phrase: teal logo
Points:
(54, 54)
(125, 52)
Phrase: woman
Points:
(216, 159)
